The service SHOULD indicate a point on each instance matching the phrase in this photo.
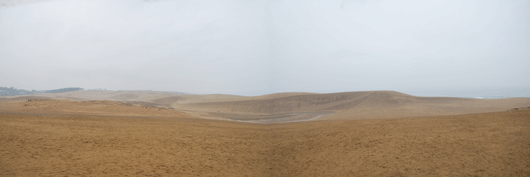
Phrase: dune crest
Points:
(354, 105)
(93, 107)
(299, 106)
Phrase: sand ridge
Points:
(93, 107)
(354, 105)
(343, 105)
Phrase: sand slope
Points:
(357, 105)
(84, 144)
(299, 106)
(125, 95)
(93, 107)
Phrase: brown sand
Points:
(344, 106)
(348, 105)
(485, 144)
(94, 107)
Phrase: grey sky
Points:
(252, 47)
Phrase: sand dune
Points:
(172, 143)
(122, 95)
(93, 107)
(298, 106)
(355, 105)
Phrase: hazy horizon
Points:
(256, 47)
(480, 94)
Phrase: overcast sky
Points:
(254, 47)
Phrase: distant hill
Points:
(10, 91)
(349, 105)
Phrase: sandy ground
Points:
(111, 139)
(302, 106)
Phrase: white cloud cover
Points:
(253, 47)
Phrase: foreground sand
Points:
(80, 144)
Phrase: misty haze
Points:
(264, 88)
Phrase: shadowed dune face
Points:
(167, 100)
(308, 102)
(305, 102)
